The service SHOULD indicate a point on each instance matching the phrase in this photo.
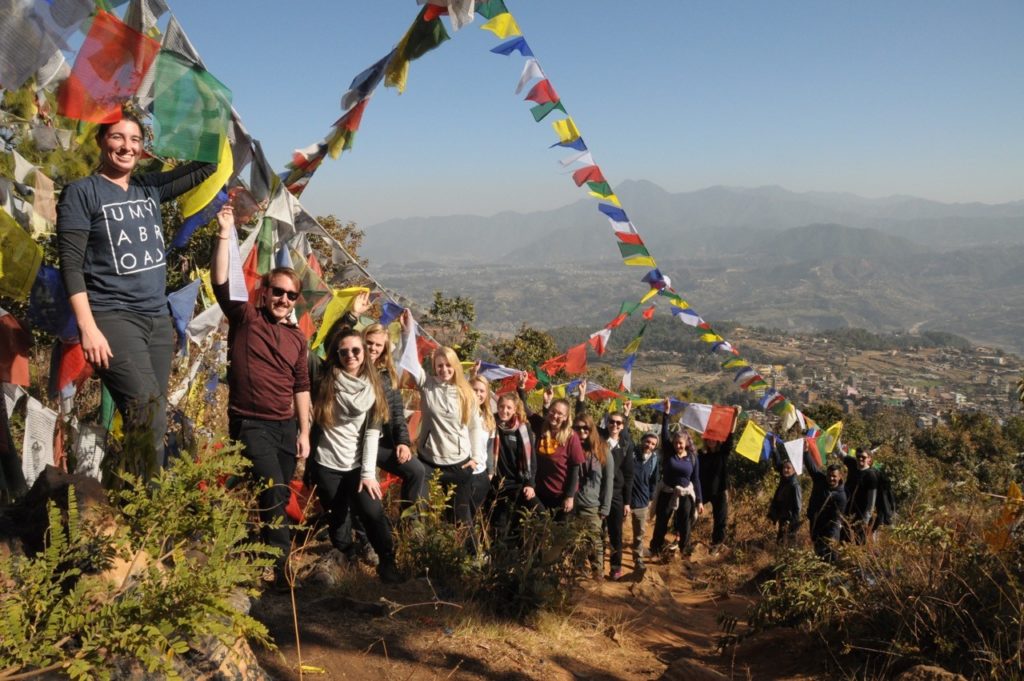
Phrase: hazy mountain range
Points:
(762, 256)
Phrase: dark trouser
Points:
(823, 536)
(505, 516)
(412, 473)
(137, 380)
(479, 487)
(719, 515)
(616, 517)
(340, 497)
(682, 523)
(270, 446)
(785, 535)
(461, 478)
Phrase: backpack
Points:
(885, 502)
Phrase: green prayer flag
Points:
(602, 188)
(628, 307)
(265, 246)
(489, 9)
(630, 250)
(542, 110)
(107, 408)
(423, 36)
(191, 109)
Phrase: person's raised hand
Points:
(360, 304)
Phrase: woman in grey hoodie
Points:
(594, 496)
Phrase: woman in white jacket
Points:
(348, 412)
(450, 430)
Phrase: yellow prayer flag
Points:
(20, 258)
(204, 275)
(830, 438)
(645, 401)
(751, 443)
(710, 337)
(559, 391)
(998, 536)
(196, 199)
(651, 293)
(735, 363)
(504, 26)
(566, 130)
(633, 346)
(341, 299)
(640, 261)
(610, 198)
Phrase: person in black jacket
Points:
(826, 507)
(784, 509)
(714, 483)
(515, 466)
(620, 448)
(861, 495)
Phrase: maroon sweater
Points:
(266, 361)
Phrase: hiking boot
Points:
(388, 572)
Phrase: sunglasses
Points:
(614, 422)
(279, 292)
(581, 428)
(350, 352)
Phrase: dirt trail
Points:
(664, 626)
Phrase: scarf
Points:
(354, 395)
(524, 452)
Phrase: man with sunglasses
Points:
(268, 383)
(861, 495)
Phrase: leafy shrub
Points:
(182, 545)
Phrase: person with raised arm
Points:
(515, 466)
(110, 238)
(678, 497)
(268, 384)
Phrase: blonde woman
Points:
(349, 411)
(559, 456)
(483, 472)
(450, 431)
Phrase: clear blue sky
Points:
(875, 98)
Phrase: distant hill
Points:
(717, 221)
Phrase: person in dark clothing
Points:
(861, 495)
(679, 494)
(268, 385)
(826, 507)
(714, 484)
(515, 466)
(112, 259)
(645, 482)
(786, 504)
(620, 447)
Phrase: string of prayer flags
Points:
(107, 71)
(191, 110)
(751, 443)
(423, 36)
(344, 132)
(20, 259)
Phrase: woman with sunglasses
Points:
(350, 409)
(678, 497)
(594, 496)
(112, 259)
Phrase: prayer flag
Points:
(108, 71)
(576, 144)
(566, 129)
(514, 45)
(503, 25)
(489, 9)
(200, 196)
(587, 175)
(422, 37)
(409, 360)
(795, 452)
(617, 322)
(15, 341)
(634, 345)
(576, 359)
(390, 312)
(48, 308)
(828, 438)
(341, 300)
(197, 220)
(73, 367)
(719, 426)
(554, 365)
(541, 111)
(584, 157)
(258, 261)
(542, 93)
(191, 110)
(183, 305)
(496, 372)
(599, 340)
(531, 70)
(20, 258)
(613, 213)
(751, 444)
(649, 312)
(696, 417)
(812, 448)
(627, 374)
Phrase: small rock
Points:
(924, 672)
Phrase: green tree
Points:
(450, 322)
(527, 347)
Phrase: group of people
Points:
(844, 503)
(344, 412)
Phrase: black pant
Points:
(340, 497)
(459, 476)
(507, 509)
(412, 473)
(270, 446)
(719, 515)
(137, 380)
(616, 517)
(682, 523)
(480, 488)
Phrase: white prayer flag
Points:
(696, 416)
(531, 70)
(410, 360)
(236, 277)
(89, 449)
(795, 452)
(37, 449)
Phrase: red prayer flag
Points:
(432, 12)
(299, 501)
(576, 359)
(630, 238)
(719, 423)
(542, 93)
(617, 322)
(73, 367)
(554, 365)
(649, 312)
(15, 341)
(511, 384)
(602, 394)
(424, 346)
(351, 120)
(588, 174)
(812, 446)
(107, 72)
